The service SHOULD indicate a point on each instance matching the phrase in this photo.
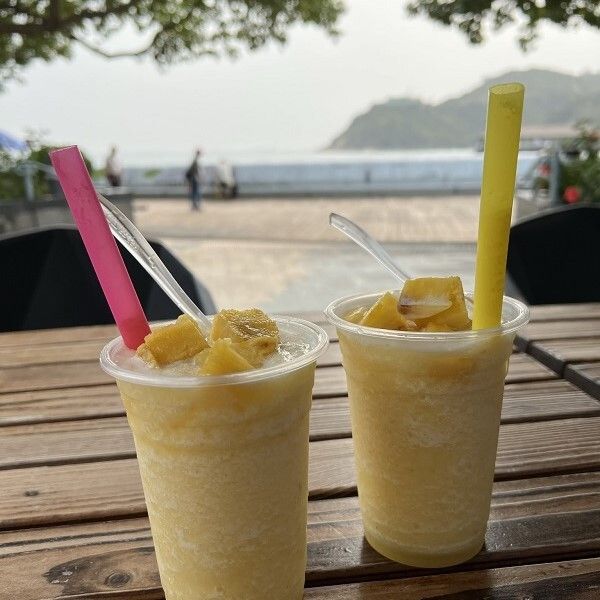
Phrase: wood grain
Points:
(332, 357)
(331, 381)
(110, 560)
(58, 375)
(51, 354)
(524, 447)
(555, 330)
(556, 354)
(544, 519)
(51, 486)
(545, 400)
(554, 517)
(576, 580)
(527, 401)
(61, 404)
(55, 336)
(81, 351)
(564, 312)
(585, 376)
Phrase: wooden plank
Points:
(545, 400)
(576, 580)
(54, 336)
(110, 560)
(63, 374)
(527, 401)
(556, 354)
(525, 368)
(65, 442)
(58, 375)
(39, 406)
(51, 354)
(524, 448)
(544, 447)
(70, 493)
(556, 330)
(562, 312)
(330, 418)
(77, 349)
(332, 357)
(331, 381)
(585, 376)
(314, 316)
(523, 402)
(51, 485)
(549, 518)
(544, 519)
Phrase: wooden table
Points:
(73, 520)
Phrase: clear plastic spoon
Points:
(137, 245)
(359, 236)
(417, 309)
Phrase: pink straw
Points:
(100, 245)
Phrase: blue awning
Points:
(8, 142)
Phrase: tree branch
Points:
(53, 22)
(165, 28)
(124, 54)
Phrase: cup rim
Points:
(110, 366)
(519, 318)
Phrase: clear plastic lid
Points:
(514, 315)
(121, 362)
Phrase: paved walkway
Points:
(396, 219)
(281, 255)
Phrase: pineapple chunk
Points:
(384, 315)
(445, 293)
(177, 341)
(252, 331)
(355, 316)
(221, 359)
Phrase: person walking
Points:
(113, 169)
(194, 178)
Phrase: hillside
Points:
(551, 99)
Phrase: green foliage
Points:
(550, 99)
(11, 183)
(11, 177)
(151, 173)
(476, 17)
(176, 31)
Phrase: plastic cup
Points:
(425, 410)
(224, 467)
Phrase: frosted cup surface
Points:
(224, 466)
(425, 411)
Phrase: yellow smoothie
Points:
(224, 466)
(425, 411)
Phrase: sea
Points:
(329, 173)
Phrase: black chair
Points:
(554, 257)
(48, 281)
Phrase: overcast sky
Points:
(280, 99)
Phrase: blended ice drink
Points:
(221, 433)
(426, 396)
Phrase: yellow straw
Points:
(503, 129)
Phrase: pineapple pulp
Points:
(240, 340)
(429, 304)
